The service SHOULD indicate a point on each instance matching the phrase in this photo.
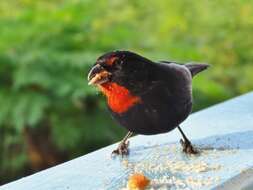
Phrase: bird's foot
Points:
(187, 147)
(122, 149)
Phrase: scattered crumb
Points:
(137, 181)
(125, 163)
(166, 182)
(176, 166)
(174, 172)
(172, 182)
(201, 181)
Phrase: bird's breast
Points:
(119, 98)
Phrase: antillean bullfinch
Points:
(145, 97)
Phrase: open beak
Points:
(98, 75)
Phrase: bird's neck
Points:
(119, 98)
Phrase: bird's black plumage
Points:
(165, 90)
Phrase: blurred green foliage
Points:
(47, 48)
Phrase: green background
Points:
(48, 113)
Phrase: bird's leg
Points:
(123, 145)
(186, 144)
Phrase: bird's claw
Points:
(187, 147)
(122, 149)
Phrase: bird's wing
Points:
(168, 62)
(194, 68)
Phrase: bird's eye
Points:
(117, 64)
(105, 66)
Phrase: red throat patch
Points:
(118, 97)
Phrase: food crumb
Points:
(137, 181)
(172, 171)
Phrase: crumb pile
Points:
(168, 169)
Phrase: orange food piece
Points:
(137, 181)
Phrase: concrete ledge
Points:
(223, 133)
(243, 181)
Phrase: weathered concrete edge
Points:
(242, 181)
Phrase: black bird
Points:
(145, 97)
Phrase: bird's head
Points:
(124, 68)
(121, 76)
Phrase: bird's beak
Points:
(98, 75)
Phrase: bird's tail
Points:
(195, 68)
